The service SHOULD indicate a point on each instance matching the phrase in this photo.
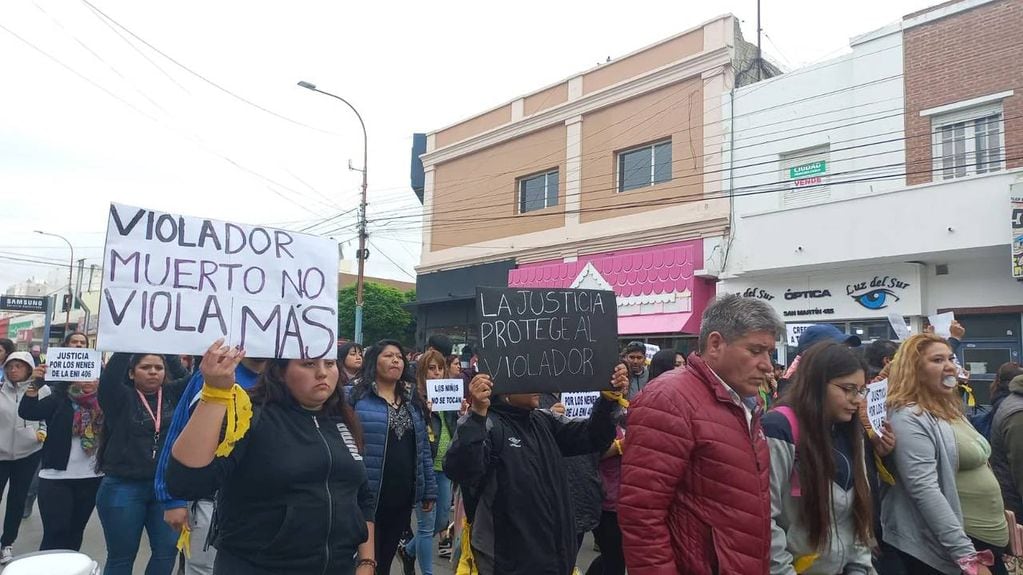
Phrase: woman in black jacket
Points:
(138, 400)
(293, 494)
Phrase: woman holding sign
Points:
(293, 496)
(138, 402)
(397, 454)
(68, 480)
(944, 514)
(820, 495)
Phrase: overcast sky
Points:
(102, 117)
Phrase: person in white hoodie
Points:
(20, 444)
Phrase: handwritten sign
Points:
(942, 323)
(902, 331)
(547, 340)
(174, 284)
(651, 351)
(446, 394)
(72, 364)
(579, 405)
(877, 394)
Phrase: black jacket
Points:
(510, 466)
(126, 439)
(59, 414)
(293, 494)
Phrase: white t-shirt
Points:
(80, 465)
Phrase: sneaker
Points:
(445, 543)
(408, 562)
(444, 553)
(6, 555)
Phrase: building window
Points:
(646, 166)
(538, 191)
(968, 142)
(807, 172)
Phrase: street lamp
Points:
(71, 266)
(362, 210)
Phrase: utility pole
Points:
(759, 54)
(363, 252)
(70, 269)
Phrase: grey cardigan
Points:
(921, 514)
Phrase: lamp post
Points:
(362, 210)
(71, 266)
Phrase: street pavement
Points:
(32, 533)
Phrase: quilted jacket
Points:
(695, 494)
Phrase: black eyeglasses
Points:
(852, 391)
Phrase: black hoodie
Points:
(510, 467)
(293, 496)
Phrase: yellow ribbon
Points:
(466, 562)
(804, 562)
(616, 397)
(185, 542)
(239, 414)
(970, 400)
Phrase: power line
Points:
(396, 264)
(204, 78)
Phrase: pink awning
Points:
(658, 323)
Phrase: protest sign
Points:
(793, 331)
(174, 284)
(72, 364)
(942, 323)
(877, 394)
(651, 351)
(446, 394)
(902, 331)
(547, 340)
(579, 404)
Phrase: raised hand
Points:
(480, 389)
(219, 363)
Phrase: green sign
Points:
(811, 169)
(14, 328)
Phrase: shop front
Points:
(660, 298)
(857, 301)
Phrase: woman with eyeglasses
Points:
(945, 513)
(820, 498)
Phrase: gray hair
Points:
(733, 316)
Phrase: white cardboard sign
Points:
(902, 331)
(877, 394)
(794, 330)
(174, 284)
(579, 404)
(73, 364)
(446, 394)
(942, 323)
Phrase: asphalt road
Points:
(32, 533)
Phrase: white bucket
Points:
(53, 563)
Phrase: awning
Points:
(658, 323)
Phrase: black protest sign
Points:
(547, 340)
(174, 284)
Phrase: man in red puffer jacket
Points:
(695, 494)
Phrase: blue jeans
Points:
(125, 506)
(443, 507)
(421, 546)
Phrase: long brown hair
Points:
(807, 397)
(270, 388)
(905, 387)
(422, 366)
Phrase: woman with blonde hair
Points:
(944, 514)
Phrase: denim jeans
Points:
(443, 507)
(421, 546)
(125, 506)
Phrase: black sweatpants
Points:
(19, 472)
(65, 506)
(391, 523)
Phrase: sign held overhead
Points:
(174, 284)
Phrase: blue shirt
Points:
(245, 378)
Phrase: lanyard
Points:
(158, 416)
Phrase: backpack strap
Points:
(790, 416)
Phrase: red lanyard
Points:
(158, 416)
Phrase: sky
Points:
(192, 106)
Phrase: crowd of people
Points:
(720, 462)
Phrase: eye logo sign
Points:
(878, 293)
